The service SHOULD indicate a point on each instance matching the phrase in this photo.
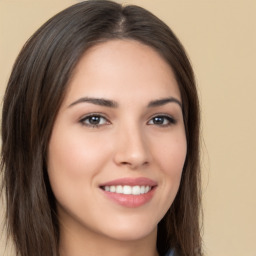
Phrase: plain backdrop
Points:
(220, 38)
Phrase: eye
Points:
(94, 120)
(162, 120)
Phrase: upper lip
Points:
(141, 181)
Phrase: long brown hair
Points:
(33, 96)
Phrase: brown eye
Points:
(162, 120)
(94, 120)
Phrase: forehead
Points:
(116, 68)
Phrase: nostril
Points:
(134, 164)
(132, 154)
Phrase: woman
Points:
(100, 133)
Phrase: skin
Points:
(128, 141)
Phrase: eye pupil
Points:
(158, 120)
(94, 120)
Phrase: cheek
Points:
(73, 161)
(73, 152)
(171, 157)
(172, 154)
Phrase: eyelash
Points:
(170, 120)
(93, 115)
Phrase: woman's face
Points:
(118, 144)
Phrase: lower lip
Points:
(131, 201)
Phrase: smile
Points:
(127, 190)
(130, 192)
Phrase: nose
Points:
(131, 148)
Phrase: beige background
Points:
(220, 37)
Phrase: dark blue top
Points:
(170, 253)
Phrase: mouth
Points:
(128, 190)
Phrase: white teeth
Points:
(128, 190)
(112, 189)
(136, 190)
(119, 189)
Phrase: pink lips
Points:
(131, 182)
(131, 200)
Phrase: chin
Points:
(130, 232)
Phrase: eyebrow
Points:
(96, 101)
(114, 104)
(161, 102)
